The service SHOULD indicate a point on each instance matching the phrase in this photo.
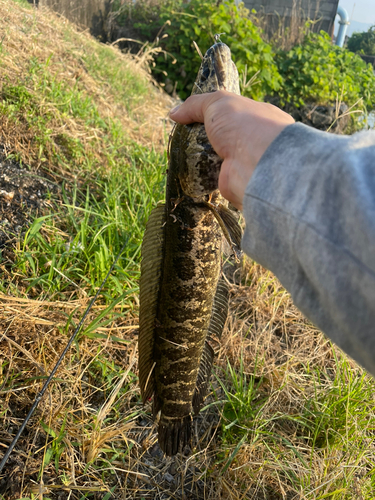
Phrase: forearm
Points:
(310, 218)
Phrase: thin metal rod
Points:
(72, 338)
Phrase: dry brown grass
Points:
(32, 338)
(43, 35)
(279, 345)
(264, 329)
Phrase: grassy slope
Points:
(73, 108)
(297, 417)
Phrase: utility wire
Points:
(72, 338)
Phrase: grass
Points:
(69, 252)
(325, 449)
(289, 416)
(73, 135)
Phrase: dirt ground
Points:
(24, 195)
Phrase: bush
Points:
(317, 71)
(199, 21)
(363, 43)
(314, 71)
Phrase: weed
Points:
(332, 414)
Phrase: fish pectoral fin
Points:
(174, 434)
(228, 222)
(149, 285)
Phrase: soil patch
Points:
(24, 195)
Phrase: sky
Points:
(364, 10)
(360, 11)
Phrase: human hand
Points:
(239, 129)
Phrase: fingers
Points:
(234, 177)
(239, 129)
(194, 108)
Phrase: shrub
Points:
(363, 43)
(317, 71)
(314, 71)
(199, 21)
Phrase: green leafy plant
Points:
(363, 43)
(317, 71)
(199, 21)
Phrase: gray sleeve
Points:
(310, 218)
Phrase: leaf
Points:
(47, 457)
(35, 228)
(234, 453)
(101, 320)
(48, 430)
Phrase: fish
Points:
(183, 297)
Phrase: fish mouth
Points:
(217, 71)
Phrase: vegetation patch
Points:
(72, 113)
(313, 72)
(317, 71)
(363, 43)
(179, 24)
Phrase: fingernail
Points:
(173, 111)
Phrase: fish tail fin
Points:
(174, 434)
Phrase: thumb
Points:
(194, 108)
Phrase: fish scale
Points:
(183, 302)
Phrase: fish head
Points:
(199, 172)
(217, 71)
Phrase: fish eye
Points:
(205, 73)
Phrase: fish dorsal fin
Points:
(149, 286)
(215, 330)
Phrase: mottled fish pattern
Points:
(183, 301)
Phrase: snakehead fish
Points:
(183, 303)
